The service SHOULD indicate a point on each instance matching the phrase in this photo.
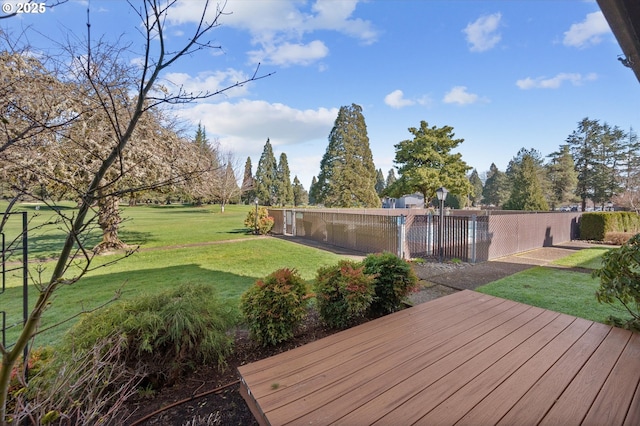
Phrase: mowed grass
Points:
(559, 289)
(188, 245)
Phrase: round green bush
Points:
(264, 223)
(343, 293)
(275, 306)
(394, 281)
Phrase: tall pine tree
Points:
(284, 191)
(347, 174)
(313, 191)
(300, 196)
(562, 176)
(248, 185)
(496, 188)
(524, 172)
(266, 177)
(380, 183)
(476, 185)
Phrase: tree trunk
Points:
(109, 221)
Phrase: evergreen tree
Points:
(562, 176)
(426, 163)
(630, 172)
(284, 191)
(248, 190)
(496, 188)
(347, 174)
(300, 196)
(582, 143)
(313, 191)
(526, 188)
(201, 137)
(266, 177)
(380, 184)
(391, 178)
(476, 188)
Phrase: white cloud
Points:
(278, 27)
(244, 126)
(459, 95)
(290, 54)
(555, 82)
(207, 82)
(396, 100)
(587, 32)
(483, 33)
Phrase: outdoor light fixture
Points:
(441, 193)
(256, 201)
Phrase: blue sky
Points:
(504, 74)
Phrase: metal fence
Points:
(413, 233)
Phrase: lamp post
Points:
(441, 193)
(256, 201)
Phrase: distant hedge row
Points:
(596, 225)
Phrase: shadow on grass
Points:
(93, 291)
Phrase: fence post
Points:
(474, 221)
(401, 221)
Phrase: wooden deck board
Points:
(466, 357)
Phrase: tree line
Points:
(597, 165)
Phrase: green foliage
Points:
(562, 176)
(476, 185)
(426, 163)
(526, 176)
(264, 223)
(394, 281)
(300, 195)
(266, 176)
(620, 280)
(343, 293)
(167, 332)
(283, 188)
(496, 188)
(596, 225)
(275, 306)
(347, 175)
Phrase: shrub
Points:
(166, 333)
(265, 222)
(343, 293)
(81, 387)
(620, 280)
(394, 280)
(275, 306)
(617, 238)
(596, 225)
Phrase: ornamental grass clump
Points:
(394, 281)
(344, 293)
(167, 333)
(275, 306)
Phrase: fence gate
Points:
(14, 261)
(422, 237)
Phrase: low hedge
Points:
(596, 225)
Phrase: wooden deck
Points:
(464, 359)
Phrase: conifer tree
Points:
(562, 176)
(476, 185)
(496, 188)
(300, 195)
(426, 163)
(347, 174)
(380, 183)
(248, 186)
(391, 178)
(313, 191)
(266, 177)
(284, 191)
(526, 187)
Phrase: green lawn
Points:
(216, 250)
(560, 290)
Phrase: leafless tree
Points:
(122, 107)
